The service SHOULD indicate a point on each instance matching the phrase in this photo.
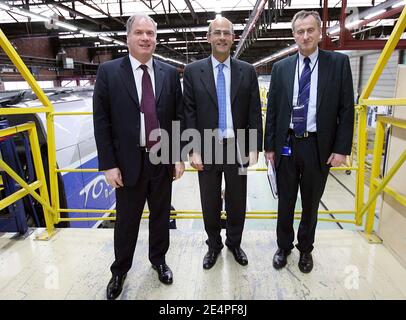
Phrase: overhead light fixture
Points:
(120, 43)
(27, 13)
(353, 24)
(276, 55)
(107, 45)
(168, 59)
(218, 7)
(377, 13)
(88, 33)
(218, 15)
(4, 6)
(105, 39)
(66, 26)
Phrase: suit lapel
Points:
(324, 71)
(207, 78)
(127, 76)
(290, 77)
(236, 77)
(159, 79)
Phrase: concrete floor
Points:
(75, 263)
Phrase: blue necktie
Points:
(221, 99)
(303, 99)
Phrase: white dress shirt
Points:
(227, 77)
(138, 72)
(311, 111)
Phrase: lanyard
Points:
(298, 78)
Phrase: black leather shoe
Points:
(164, 273)
(280, 258)
(115, 287)
(239, 256)
(305, 262)
(210, 259)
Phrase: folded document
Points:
(272, 180)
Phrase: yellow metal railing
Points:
(31, 188)
(52, 210)
(55, 216)
(375, 187)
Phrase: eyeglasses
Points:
(218, 33)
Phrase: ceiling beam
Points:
(192, 11)
(101, 11)
(70, 10)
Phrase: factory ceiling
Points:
(262, 27)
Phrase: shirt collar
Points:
(135, 64)
(215, 62)
(313, 57)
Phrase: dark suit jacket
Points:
(335, 105)
(117, 114)
(201, 106)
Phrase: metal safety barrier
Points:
(52, 210)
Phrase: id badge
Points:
(286, 151)
(298, 114)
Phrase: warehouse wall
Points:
(392, 225)
(385, 87)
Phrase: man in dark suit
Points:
(309, 128)
(134, 98)
(221, 96)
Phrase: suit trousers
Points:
(154, 186)
(301, 169)
(235, 203)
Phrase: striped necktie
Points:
(303, 99)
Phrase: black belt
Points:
(306, 134)
(144, 149)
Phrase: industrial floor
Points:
(75, 263)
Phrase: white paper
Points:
(272, 180)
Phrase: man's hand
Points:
(195, 161)
(270, 156)
(113, 177)
(178, 170)
(253, 158)
(336, 160)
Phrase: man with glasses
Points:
(221, 96)
(309, 128)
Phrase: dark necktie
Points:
(148, 107)
(299, 127)
(221, 99)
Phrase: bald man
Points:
(221, 101)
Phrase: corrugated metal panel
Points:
(385, 87)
